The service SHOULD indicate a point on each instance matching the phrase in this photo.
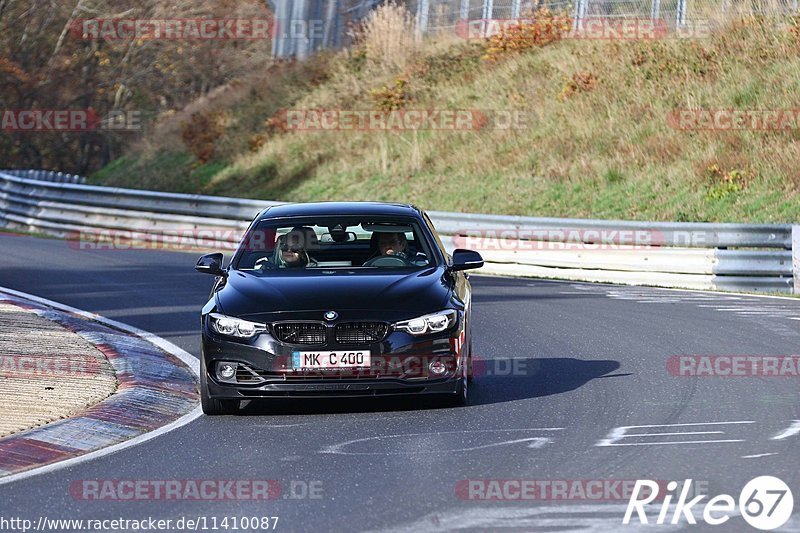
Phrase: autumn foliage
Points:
(545, 27)
(45, 65)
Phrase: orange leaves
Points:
(201, 133)
(545, 28)
(580, 82)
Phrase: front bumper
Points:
(400, 366)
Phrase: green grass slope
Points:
(596, 140)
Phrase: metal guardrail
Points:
(47, 175)
(685, 234)
(750, 257)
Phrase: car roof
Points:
(339, 208)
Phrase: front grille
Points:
(300, 332)
(361, 332)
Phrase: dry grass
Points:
(388, 38)
(713, 10)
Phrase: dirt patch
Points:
(47, 372)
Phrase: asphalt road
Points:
(567, 366)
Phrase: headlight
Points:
(235, 327)
(433, 323)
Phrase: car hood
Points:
(245, 294)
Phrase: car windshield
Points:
(272, 245)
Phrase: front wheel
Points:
(470, 374)
(213, 407)
(461, 396)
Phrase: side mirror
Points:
(211, 264)
(466, 260)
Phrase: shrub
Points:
(394, 96)
(580, 82)
(387, 38)
(200, 134)
(545, 28)
(725, 183)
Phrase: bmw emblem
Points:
(331, 315)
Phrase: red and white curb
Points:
(158, 392)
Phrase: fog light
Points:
(226, 371)
(437, 368)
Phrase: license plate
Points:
(328, 359)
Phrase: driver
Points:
(394, 243)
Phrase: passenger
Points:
(294, 250)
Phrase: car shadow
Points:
(496, 381)
(503, 380)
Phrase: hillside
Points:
(600, 135)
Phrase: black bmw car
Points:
(337, 299)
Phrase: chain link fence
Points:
(444, 15)
(307, 26)
(303, 27)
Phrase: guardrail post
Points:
(487, 14)
(680, 14)
(580, 13)
(488, 8)
(655, 10)
(796, 257)
(330, 18)
(422, 18)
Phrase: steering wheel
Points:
(387, 261)
(264, 263)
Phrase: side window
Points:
(435, 234)
(256, 243)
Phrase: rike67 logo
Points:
(765, 503)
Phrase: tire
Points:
(214, 407)
(461, 396)
(210, 405)
(470, 375)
